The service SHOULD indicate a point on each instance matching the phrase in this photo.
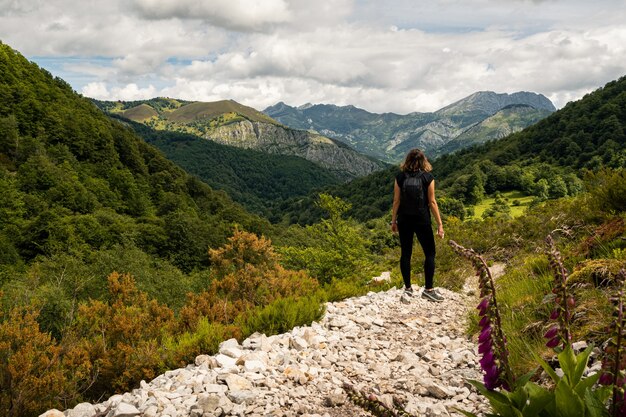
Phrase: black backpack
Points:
(412, 196)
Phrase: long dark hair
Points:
(416, 161)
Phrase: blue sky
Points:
(392, 56)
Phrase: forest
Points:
(116, 264)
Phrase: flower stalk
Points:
(491, 340)
(614, 361)
(559, 334)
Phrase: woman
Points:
(413, 202)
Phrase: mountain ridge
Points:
(388, 136)
(230, 123)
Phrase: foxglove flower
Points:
(559, 334)
(614, 361)
(491, 340)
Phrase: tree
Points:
(557, 188)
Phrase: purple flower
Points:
(553, 331)
(555, 314)
(482, 307)
(605, 379)
(485, 335)
(487, 360)
(554, 342)
(492, 376)
(484, 321)
(484, 347)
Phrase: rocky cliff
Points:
(276, 139)
(228, 122)
(388, 136)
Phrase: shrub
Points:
(31, 376)
(121, 338)
(283, 315)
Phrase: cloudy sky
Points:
(384, 56)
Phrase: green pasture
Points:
(509, 196)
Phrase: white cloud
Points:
(230, 14)
(398, 55)
(100, 91)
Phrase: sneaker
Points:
(432, 295)
(409, 292)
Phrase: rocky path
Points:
(415, 351)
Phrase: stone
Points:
(152, 411)
(437, 391)
(230, 343)
(384, 277)
(254, 366)
(335, 400)
(224, 361)
(298, 343)
(416, 352)
(125, 410)
(241, 397)
(208, 402)
(52, 413)
(82, 410)
(237, 383)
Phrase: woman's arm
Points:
(396, 205)
(434, 208)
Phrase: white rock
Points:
(230, 343)
(125, 410)
(82, 410)
(242, 397)
(225, 361)
(254, 366)
(52, 413)
(237, 383)
(298, 343)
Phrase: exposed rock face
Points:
(416, 353)
(389, 136)
(279, 140)
(489, 102)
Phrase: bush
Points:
(31, 377)
(608, 189)
(283, 315)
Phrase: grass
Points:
(516, 210)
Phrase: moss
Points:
(599, 272)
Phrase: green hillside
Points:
(257, 180)
(75, 186)
(200, 110)
(544, 160)
(229, 123)
(509, 120)
(140, 113)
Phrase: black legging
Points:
(407, 225)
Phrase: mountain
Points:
(389, 136)
(75, 185)
(510, 119)
(584, 135)
(230, 123)
(255, 179)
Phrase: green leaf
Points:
(547, 368)
(567, 360)
(581, 364)
(523, 380)
(500, 403)
(568, 404)
(538, 399)
(586, 384)
(594, 402)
